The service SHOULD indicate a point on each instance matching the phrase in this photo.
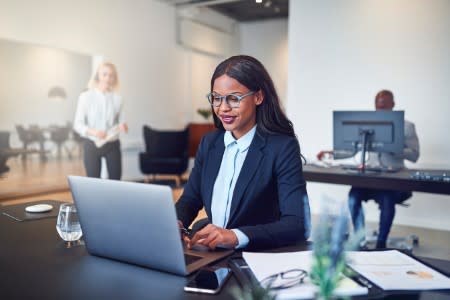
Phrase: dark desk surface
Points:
(34, 264)
(401, 181)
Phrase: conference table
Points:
(404, 180)
(35, 264)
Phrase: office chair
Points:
(406, 243)
(59, 135)
(4, 139)
(33, 135)
(4, 145)
(78, 139)
(166, 152)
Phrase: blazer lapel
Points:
(212, 169)
(248, 170)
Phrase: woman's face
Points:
(106, 79)
(237, 120)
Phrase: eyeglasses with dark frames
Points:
(232, 100)
(284, 280)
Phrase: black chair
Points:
(59, 135)
(4, 145)
(32, 135)
(78, 139)
(4, 139)
(166, 152)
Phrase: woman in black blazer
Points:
(248, 173)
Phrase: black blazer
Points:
(268, 199)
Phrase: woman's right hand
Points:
(213, 236)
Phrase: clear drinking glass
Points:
(68, 225)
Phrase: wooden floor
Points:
(33, 181)
(33, 177)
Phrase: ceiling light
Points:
(258, 1)
(57, 93)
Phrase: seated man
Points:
(386, 199)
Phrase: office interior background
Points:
(327, 55)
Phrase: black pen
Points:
(185, 232)
(363, 281)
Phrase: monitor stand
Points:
(365, 134)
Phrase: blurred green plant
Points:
(256, 292)
(204, 112)
(330, 244)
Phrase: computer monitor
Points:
(377, 131)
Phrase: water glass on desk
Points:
(68, 225)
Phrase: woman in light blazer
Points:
(98, 119)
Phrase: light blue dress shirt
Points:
(232, 161)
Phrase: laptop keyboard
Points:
(189, 259)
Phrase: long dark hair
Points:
(250, 72)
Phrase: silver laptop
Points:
(135, 223)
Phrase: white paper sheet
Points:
(393, 270)
(111, 135)
(266, 264)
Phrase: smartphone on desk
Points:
(208, 280)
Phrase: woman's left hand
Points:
(211, 236)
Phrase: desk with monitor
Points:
(376, 131)
(412, 180)
(381, 132)
(34, 264)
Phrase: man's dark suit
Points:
(269, 198)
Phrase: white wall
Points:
(148, 60)
(26, 75)
(208, 38)
(139, 36)
(268, 42)
(342, 53)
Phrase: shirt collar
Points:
(243, 143)
(101, 93)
